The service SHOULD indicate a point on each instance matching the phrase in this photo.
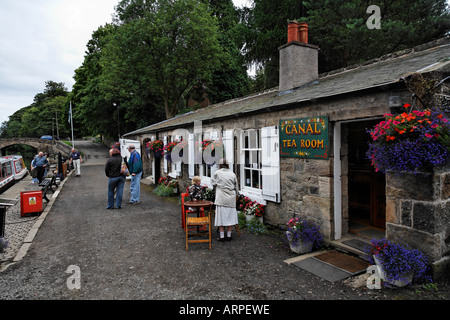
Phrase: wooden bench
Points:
(47, 184)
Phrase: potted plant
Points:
(410, 142)
(208, 194)
(156, 147)
(303, 235)
(174, 185)
(253, 209)
(397, 263)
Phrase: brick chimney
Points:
(298, 58)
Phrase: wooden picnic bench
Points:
(47, 184)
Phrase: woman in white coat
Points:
(225, 182)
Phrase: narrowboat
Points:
(6, 174)
(18, 166)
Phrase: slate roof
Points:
(386, 70)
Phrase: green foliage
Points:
(162, 46)
(164, 191)
(339, 28)
(254, 225)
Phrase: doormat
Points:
(357, 244)
(332, 266)
(344, 261)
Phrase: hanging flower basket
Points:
(410, 142)
(214, 145)
(156, 148)
(168, 150)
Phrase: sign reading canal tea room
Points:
(304, 138)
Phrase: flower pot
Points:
(300, 247)
(250, 217)
(406, 279)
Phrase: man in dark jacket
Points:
(116, 178)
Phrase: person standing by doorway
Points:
(135, 169)
(76, 159)
(116, 181)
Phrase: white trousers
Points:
(77, 166)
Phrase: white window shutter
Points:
(177, 165)
(165, 160)
(191, 155)
(270, 160)
(215, 167)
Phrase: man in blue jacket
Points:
(135, 169)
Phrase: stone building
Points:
(300, 148)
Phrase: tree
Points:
(339, 28)
(163, 48)
(230, 80)
(93, 108)
(264, 32)
(38, 118)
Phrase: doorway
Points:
(366, 187)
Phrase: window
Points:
(251, 161)
(260, 164)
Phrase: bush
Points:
(253, 226)
(164, 191)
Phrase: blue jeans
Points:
(135, 187)
(116, 184)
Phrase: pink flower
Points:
(428, 135)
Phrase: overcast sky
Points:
(42, 40)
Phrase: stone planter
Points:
(300, 247)
(407, 279)
(248, 218)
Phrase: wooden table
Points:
(198, 204)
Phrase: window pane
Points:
(255, 178)
(247, 178)
(247, 158)
(253, 137)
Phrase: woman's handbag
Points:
(124, 169)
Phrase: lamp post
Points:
(118, 118)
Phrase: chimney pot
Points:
(292, 31)
(303, 32)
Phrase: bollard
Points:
(2, 221)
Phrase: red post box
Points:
(30, 202)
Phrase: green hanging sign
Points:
(304, 138)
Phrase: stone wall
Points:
(418, 212)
